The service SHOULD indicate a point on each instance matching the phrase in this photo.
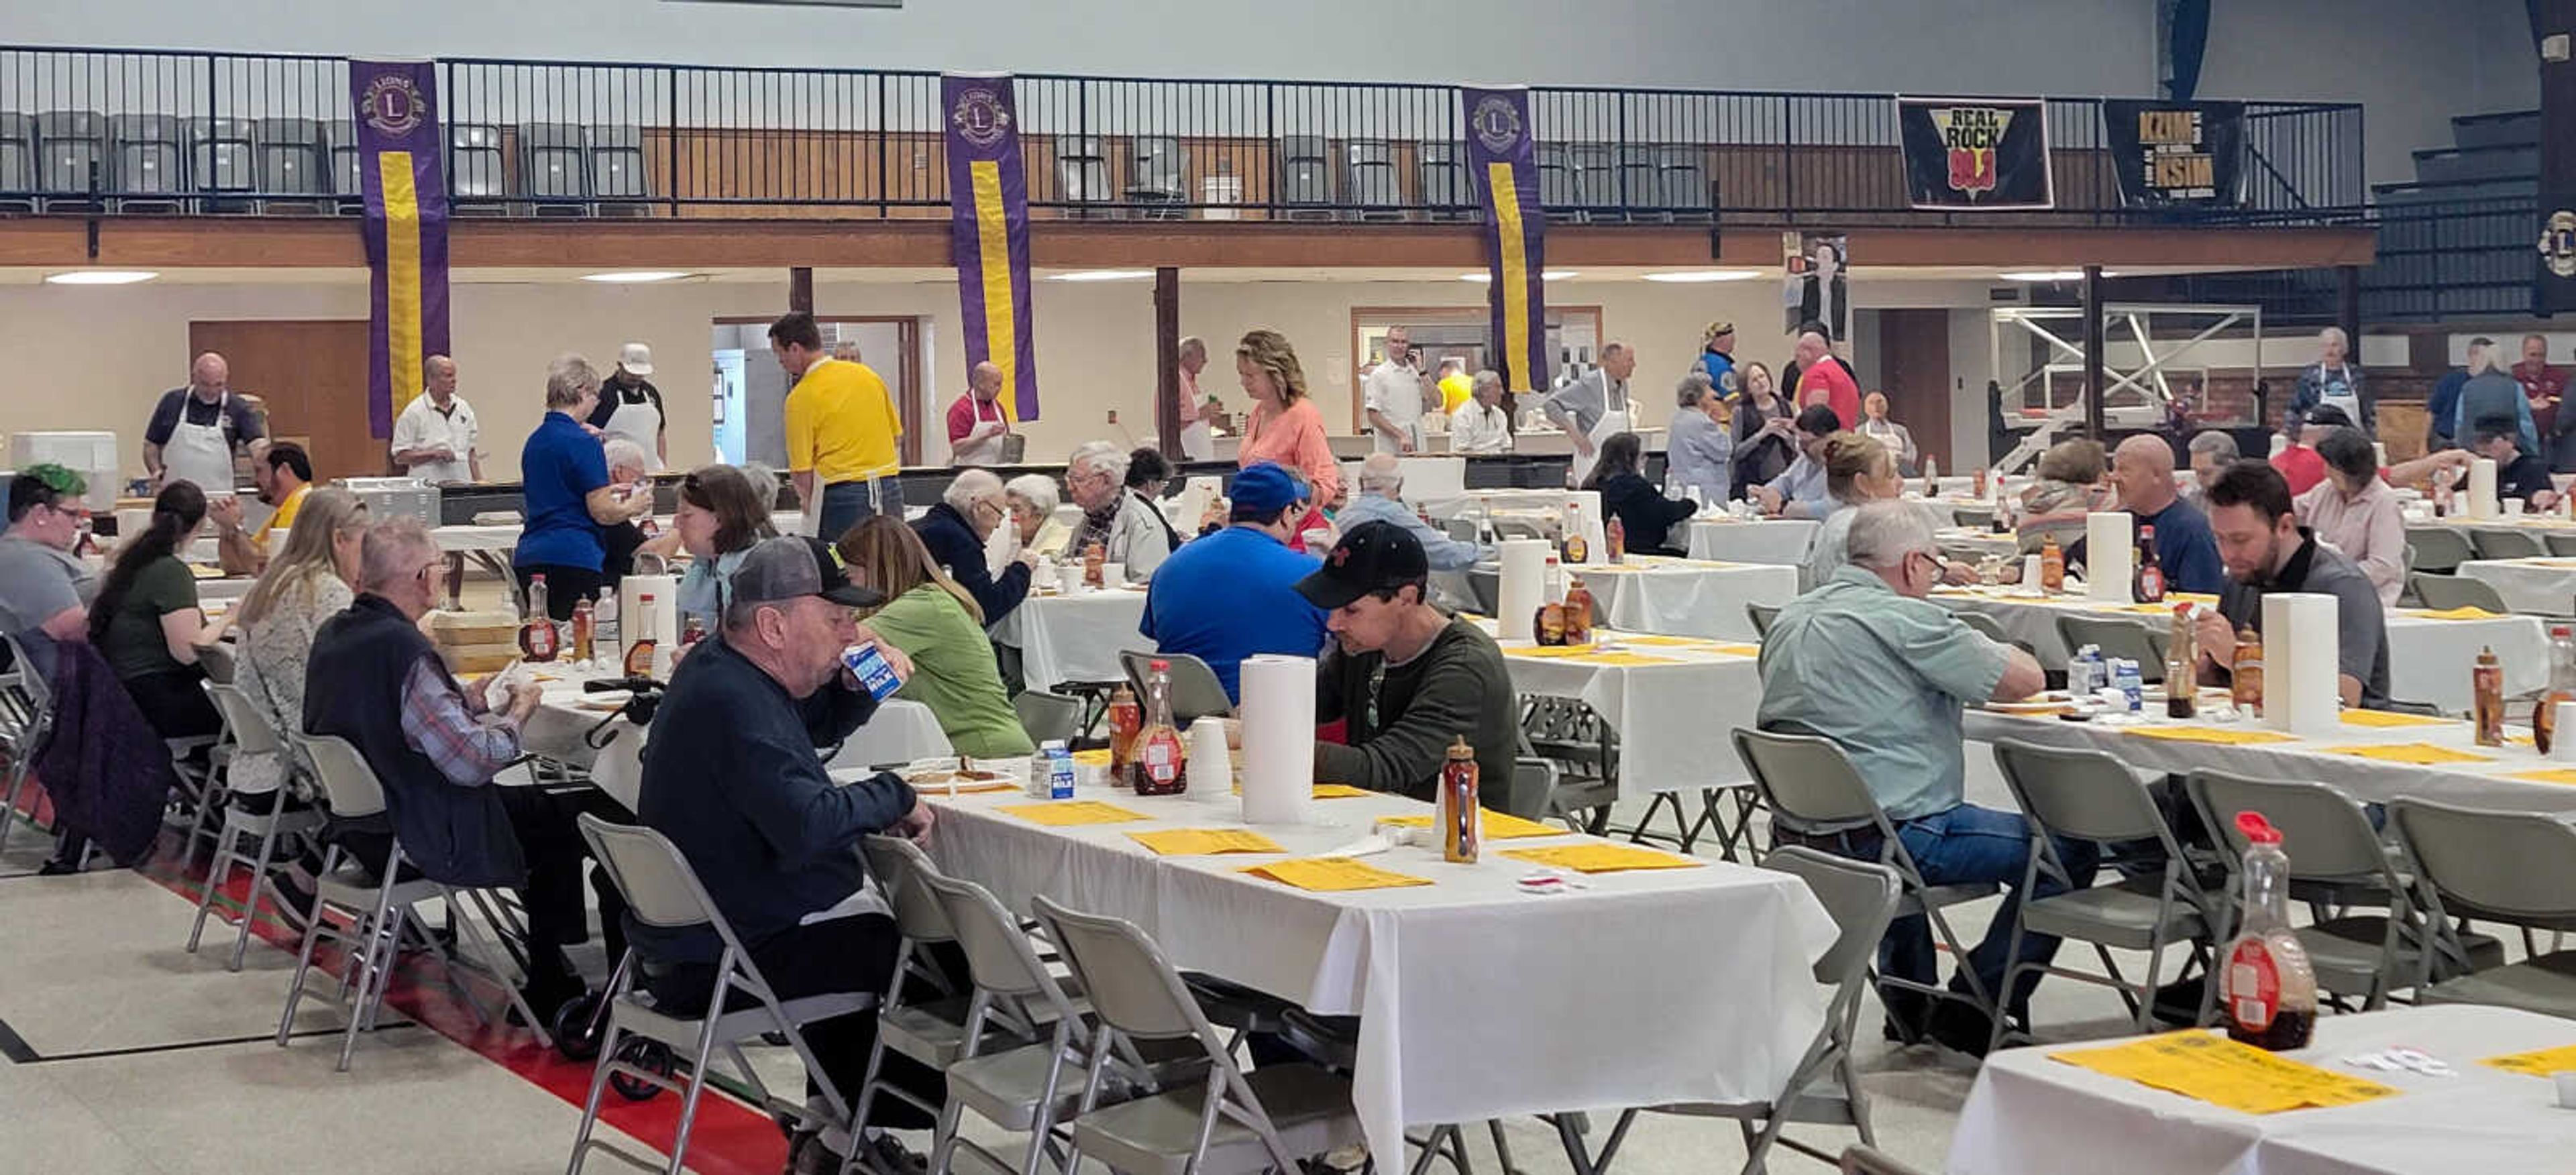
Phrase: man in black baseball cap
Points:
(732, 777)
(1408, 678)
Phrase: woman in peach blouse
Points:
(1284, 426)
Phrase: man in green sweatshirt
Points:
(1408, 678)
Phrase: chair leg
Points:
(250, 902)
(598, 1087)
(304, 954)
(374, 961)
(697, 1084)
(216, 871)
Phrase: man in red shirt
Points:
(976, 422)
(1841, 394)
(2299, 464)
(2543, 385)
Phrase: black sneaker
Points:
(1905, 1013)
(1961, 1028)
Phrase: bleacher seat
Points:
(1081, 170)
(1597, 165)
(475, 181)
(223, 160)
(554, 168)
(1304, 179)
(17, 163)
(341, 150)
(1560, 184)
(148, 168)
(72, 157)
(1685, 176)
(290, 163)
(1441, 178)
(617, 177)
(1155, 170)
(1374, 190)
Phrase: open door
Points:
(313, 377)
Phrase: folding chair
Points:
(554, 168)
(1031, 1090)
(933, 1032)
(1761, 615)
(223, 163)
(1440, 173)
(73, 160)
(1237, 1123)
(1082, 170)
(149, 171)
(1155, 168)
(2501, 543)
(1487, 586)
(618, 175)
(1374, 191)
(2517, 868)
(1806, 780)
(1048, 716)
(2560, 545)
(474, 169)
(378, 910)
(291, 164)
(2337, 862)
(248, 732)
(1304, 174)
(1686, 191)
(29, 719)
(1196, 693)
(2117, 637)
(2439, 548)
(17, 162)
(1869, 1160)
(1825, 1087)
(664, 893)
(1585, 748)
(2445, 592)
(2087, 795)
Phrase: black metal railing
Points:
(157, 131)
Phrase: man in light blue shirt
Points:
(1381, 500)
(1799, 491)
(1867, 661)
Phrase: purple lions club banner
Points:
(400, 169)
(988, 200)
(1502, 165)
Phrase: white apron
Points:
(200, 453)
(637, 421)
(989, 450)
(1611, 425)
(1198, 441)
(2335, 390)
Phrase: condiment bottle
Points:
(2269, 991)
(2562, 688)
(1578, 613)
(2182, 665)
(2052, 566)
(585, 631)
(1550, 629)
(538, 640)
(1461, 812)
(1125, 719)
(1156, 764)
(1576, 551)
(1094, 558)
(2150, 583)
(2487, 706)
(1618, 534)
(2245, 672)
(1931, 476)
(693, 631)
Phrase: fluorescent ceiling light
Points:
(633, 276)
(1102, 275)
(2049, 275)
(100, 277)
(1553, 275)
(1705, 275)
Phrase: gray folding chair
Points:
(1761, 615)
(2496, 542)
(931, 1032)
(618, 175)
(663, 892)
(1237, 1122)
(1869, 1160)
(223, 163)
(291, 163)
(1374, 191)
(474, 169)
(1825, 1086)
(248, 732)
(1487, 587)
(25, 722)
(218, 661)
(1155, 183)
(2561, 545)
(1048, 716)
(73, 162)
(1686, 190)
(2337, 862)
(1303, 176)
(1196, 692)
(149, 170)
(2439, 547)
(2445, 592)
(2118, 637)
(554, 168)
(1440, 173)
(1808, 782)
(17, 162)
(2517, 868)
(1532, 794)
(1082, 170)
(2087, 795)
(1585, 748)
(1032, 1090)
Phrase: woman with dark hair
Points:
(147, 624)
(1765, 433)
(2356, 513)
(719, 517)
(1643, 512)
(1148, 472)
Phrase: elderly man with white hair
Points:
(2332, 381)
(1382, 500)
(961, 531)
(1480, 426)
(1866, 661)
(2211, 451)
(1128, 528)
(434, 437)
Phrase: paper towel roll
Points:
(2110, 555)
(661, 622)
(2482, 488)
(1523, 586)
(2300, 657)
(1278, 739)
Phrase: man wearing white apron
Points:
(1198, 437)
(631, 407)
(978, 429)
(1392, 397)
(1594, 408)
(2332, 381)
(196, 430)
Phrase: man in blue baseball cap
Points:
(1233, 594)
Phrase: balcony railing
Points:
(130, 131)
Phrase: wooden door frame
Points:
(907, 369)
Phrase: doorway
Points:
(312, 376)
(751, 389)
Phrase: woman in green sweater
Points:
(936, 623)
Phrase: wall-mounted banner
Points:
(2553, 289)
(1981, 153)
(1503, 166)
(2176, 154)
(401, 168)
(988, 201)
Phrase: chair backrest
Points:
(2326, 833)
(898, 863)
(1861, 896)
(219, 662)
(2511, 866)
(1196, 692)
(1155, 163)
(1805, 777)
(348, 783)
(1487, 586)
(31, 680)
(1048, 716)
(660, 888)
(998, 953)
(2079, 792)
(1130, 984)
(248, 727)
(2561, 545)
(1761, 615)
(2439, 548)
(1532, 785)
(2457, 591)
(2498, 543)
(2117, 637)
(1992, 628)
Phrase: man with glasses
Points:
(1130, 530)
(1866, 661)
(960, 528)
(44, 590)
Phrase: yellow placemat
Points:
(2464, 612)
(1603, 858)
(2547, 775)
(1738, 650)
(1333, 874)
(1338, 791)
(1068, 813)
(968, 787)
(2384, 719)
(2538, 1063)
(1498, 825)
(2211, 1068)
(1204, 842)
(1549, 651)
(1624, 660)
(2420, 754)
(2210, 734)
(1098, 758)
(1668, 642)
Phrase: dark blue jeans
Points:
(848, 503)
(1965, 845)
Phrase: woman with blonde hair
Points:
(1283, 427)
(1858, 470)
(931, 619)
(308, 582)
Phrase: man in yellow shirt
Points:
(841, 430)
(1455, 388)
(284, 475)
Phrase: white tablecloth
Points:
(1686, 597)
(1074, 638)
(1674, 720)
(901, 731)
(2429, 660)
(1475, 1000)
(1769, 540)
(2029, 1113)
(2529, 585)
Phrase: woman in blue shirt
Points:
(570, 500)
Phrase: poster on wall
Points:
(1985, 154)
(2176, 154)
(1814, 286)
(2553, 288)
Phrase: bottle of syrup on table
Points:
(2245, 672)
(2268, 990)
(1156, 765)
(2052, 566)
(1126, 718)
(1462, 828)
(2487, 701)
(2562, 688)
(538, 640)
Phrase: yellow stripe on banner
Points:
(402, 275)
(1001, 324)
(1507, 226)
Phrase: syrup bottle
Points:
(1125, 719)
(2269, 991)
(1156, 765)
(2052, 566)
(2151, 574)
(585, 631)
(2562, 688)
(2487, 702)
(537, 638)
(1578, 613)
(639, 656)
(1461, 814)
(2245, 674)
(1618, 536)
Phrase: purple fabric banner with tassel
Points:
(399, 167)
(988, 198)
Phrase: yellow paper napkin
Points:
(2539, 1063)
(1339, 791)
(1603, 858)
(1096, 758)
(1203, 842)
(1548, 652)
(1624, 660)
(2463, 612)
(2210, 734)
(1069, 813)
(1667, 642)
(1332, 874)
(2384, 719)
(1498, 825)
(2208, 1067)
(2420, 754)
(2547, 775)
